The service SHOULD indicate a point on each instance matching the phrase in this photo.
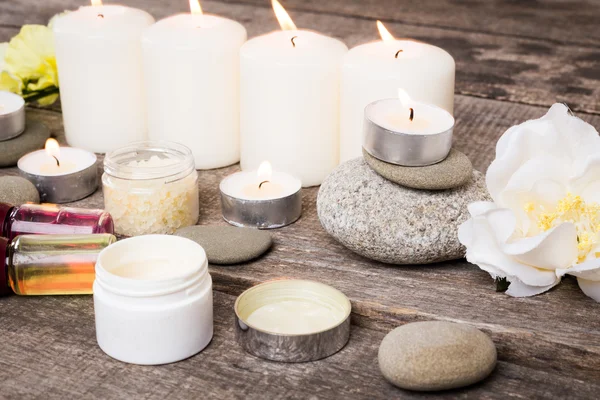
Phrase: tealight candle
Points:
(12, 115)
(60, 174)
(404, 132)
(261, 199)
(202, 114)
(292, 320)
(289, 101)
(374, 71)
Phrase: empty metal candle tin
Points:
(292, 320)
(65, 187)
(12, 115)
(272, 212)
(425, 145)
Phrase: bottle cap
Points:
(4, 288)
(5, 209)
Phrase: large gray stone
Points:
(32, 139)
(228, 244)
(436, 355)
(16, 191)
(456, 170)
(387, 222)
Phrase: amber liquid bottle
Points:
(50, 264)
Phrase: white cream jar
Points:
(153, 300)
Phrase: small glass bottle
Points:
(50, 219)
(50, 264)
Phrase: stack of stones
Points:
(400, 215)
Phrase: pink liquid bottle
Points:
(44, 219)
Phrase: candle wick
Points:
(398, 52)
(412, 114)
(100, 15)
(57, 162)
(260, 184)
(292, 40)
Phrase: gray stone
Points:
(34, 138)
(387, 222)
(228, 244)
(16, 191)
(456, 170)
(436, 355)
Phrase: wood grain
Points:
(516, 69)
(50, 351)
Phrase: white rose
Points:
(544, 221)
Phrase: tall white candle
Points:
(377, 70)
(290, 83)
(99, 59)
(191, 74)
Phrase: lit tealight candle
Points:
(373, 71)
(262, 199)
(12, 115)
(61, 175)
(405, 132)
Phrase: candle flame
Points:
(404, 97)
(52, 148)
(195, 7)
(96, 3)
(386, 36)
(264, 171)
(284, 19)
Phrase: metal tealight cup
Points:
(406, 149)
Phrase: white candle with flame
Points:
(99, 58)
(290, 101)
(56, 161)
(408, 116)
(261, 184)
(191, 75)
(376, 70)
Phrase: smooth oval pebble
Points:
(436, 355)
(228, 244)
(456, 170)
(16, 191)
(381, 220)
(32, 139)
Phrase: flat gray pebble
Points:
(456, 170)
(16, 191)
(436, 355)
(387, 222)
(228, 244)
(32, 139)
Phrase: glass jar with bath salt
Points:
(153, 299)
(44, 219)
(50, 264)
(151, 188)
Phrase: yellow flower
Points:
(30, 63)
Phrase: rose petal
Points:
(480, 207)
(484, 250)
(586, 182)
(590, 288)
(519, 289)
(589, 270)
(556, 248)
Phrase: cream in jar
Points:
(151, 188)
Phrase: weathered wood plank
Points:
(519, 70)
(49, 351)
(558, 330)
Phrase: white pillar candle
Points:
(191, 74)
(99, 59)
(376, 70)
(290, 102)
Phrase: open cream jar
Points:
(153, 299)
(292, 320)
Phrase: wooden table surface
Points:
(514, 59)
